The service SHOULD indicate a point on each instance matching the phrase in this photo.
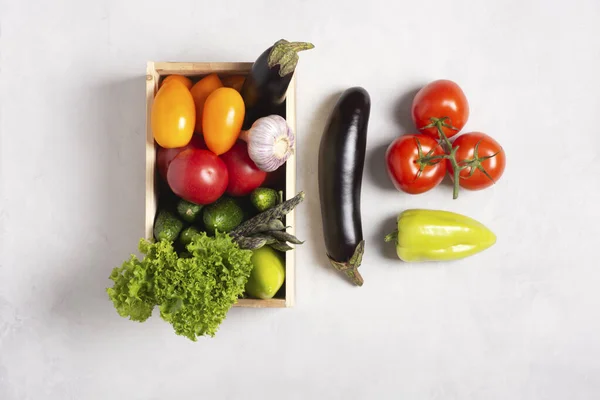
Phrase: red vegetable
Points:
(440, 102)
(244, 175)
(165, 156)
(415, 164)
(198, 176)
(483, 158)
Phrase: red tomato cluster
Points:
(417, 163)
(201, 168)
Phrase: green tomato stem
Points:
(439, 123)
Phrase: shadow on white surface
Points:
(310, 181)
(376, 168)
(402, 111)
(116, 208)
(388, 250)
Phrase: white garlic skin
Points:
(270, 142)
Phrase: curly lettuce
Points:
(193, 293)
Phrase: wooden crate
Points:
(158, 70)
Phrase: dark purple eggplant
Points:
(341, 164)
(265, 86)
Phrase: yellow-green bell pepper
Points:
(433, 235)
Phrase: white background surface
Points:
(519, 321)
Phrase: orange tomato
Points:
(234, 81)
(173, 115)
(200, 92)
(183, 79)
(222, 120)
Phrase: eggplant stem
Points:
(285, 54)
(350, 267)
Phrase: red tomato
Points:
(165, 156)
(441, 99)
(406, 171)
(244, 175)
(198, 176)
(483, 157)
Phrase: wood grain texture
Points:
(157, 70)
(152, 78)
(197, 69)
(256, 303)
(290, 190)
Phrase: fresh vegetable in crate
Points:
(194, 289)
(200, 92)
(223, 215)
(264, 198)
(165, 156)
(270, 142)
(198, 176)
(341, 163)
(183, 79)
(268, 273)
(173, 115)
(193, 292)
(266, 85)
(222, 119)
(267, 228)
(234, 81)
(244, 174)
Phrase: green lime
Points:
(268, 273)
(263, 198)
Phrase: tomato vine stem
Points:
(440, 123)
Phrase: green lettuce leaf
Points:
(193, 293)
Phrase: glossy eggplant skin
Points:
(341, 163)
(266, 85)
(263, 90)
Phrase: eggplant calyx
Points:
(285, 54)
(350, 267)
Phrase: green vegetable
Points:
(264, 198)
(431, 235)
(189, 212)
(167, 226)
(266, 228)
(223, 215)
(267, 275)
(279, 211)
(187, 235)
(193, 294)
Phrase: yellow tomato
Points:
(173, 115)
(200, 92)
(234, 81)
(222, 119)
(183, 79)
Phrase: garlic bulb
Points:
(270, 142)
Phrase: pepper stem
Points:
(391, 237)
(285, 54)
(350, 267)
